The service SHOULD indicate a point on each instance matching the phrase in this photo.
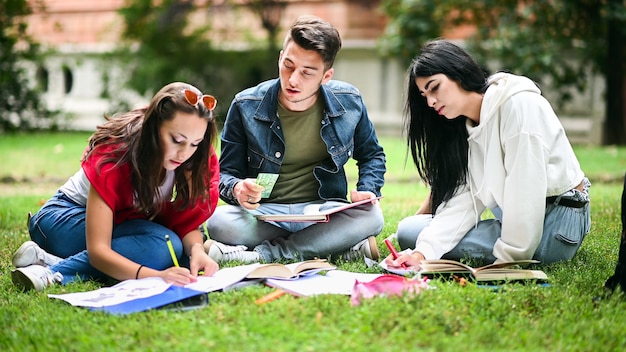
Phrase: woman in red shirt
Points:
(145, 174)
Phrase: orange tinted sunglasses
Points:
(192, 98)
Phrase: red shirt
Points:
(114, 185)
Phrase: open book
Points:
(336, 282)
(508, 271)
(315, 212)
(290, 271)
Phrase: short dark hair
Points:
(313, 33)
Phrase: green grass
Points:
(521, 318)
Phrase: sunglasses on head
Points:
(192, 98)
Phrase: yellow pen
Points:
(169, 245)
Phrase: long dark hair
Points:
(439, 145)
(134, 137)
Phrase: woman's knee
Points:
(145, 242)
(61, 233)
(409, 229)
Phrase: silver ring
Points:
(250, 200)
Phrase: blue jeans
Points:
(564, 229)
(276, 241)
(59, 228)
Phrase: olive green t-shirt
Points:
(304, 149)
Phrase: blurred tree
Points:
(21, 105)
(269, 12)
(164, 47)
(565, 41)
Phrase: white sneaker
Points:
(392, 237)
(366, 248)
(224, 253)
(30, 253)
(35, 277)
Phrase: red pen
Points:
(393, 251)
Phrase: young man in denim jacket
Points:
(304, 127)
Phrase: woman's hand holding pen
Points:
(248, 193)
(181, 276)
(199, 261)
(408, 259)
(178, 276)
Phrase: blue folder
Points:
(175, 297)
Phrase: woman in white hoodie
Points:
(493, 143)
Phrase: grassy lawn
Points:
(562, 317)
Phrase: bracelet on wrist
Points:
(138, 270)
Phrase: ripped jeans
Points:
(564, 229)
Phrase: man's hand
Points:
(248, 193)
(356, 196)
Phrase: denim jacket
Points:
(252, 140)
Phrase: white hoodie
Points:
(518, 155)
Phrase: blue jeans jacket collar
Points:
(252, 140)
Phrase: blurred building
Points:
(81, 31)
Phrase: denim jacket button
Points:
(277, 154)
